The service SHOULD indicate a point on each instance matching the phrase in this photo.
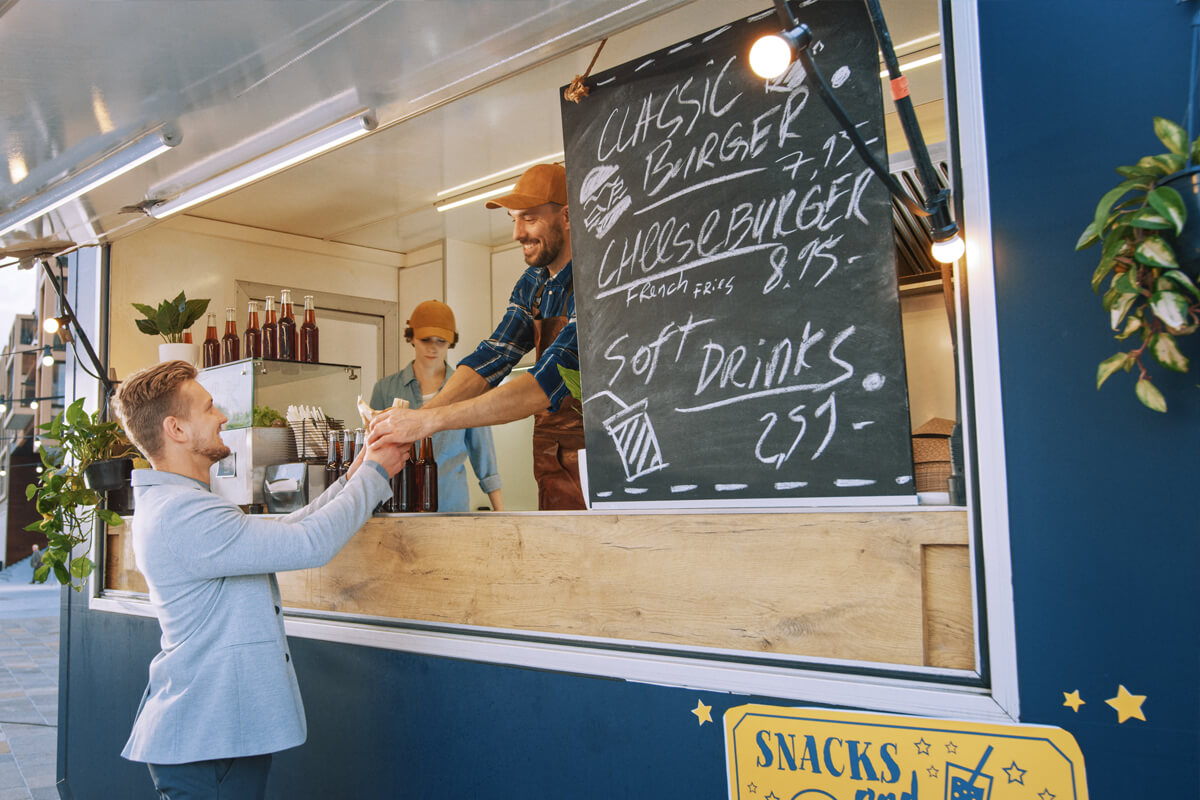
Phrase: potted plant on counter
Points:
(1149, 257)
(170, 320)
(85, 455)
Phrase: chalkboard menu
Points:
(738, 315)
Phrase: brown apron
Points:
(557, 435)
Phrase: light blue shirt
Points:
(450, 448)
(223, 685)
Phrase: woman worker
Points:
(431, 331)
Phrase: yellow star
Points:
(702, 712)
(1127, 705)
(1073, 700)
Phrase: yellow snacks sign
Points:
(778, 753)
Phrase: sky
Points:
(17, 291)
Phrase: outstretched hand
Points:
(400, 426)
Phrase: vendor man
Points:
(541, 316)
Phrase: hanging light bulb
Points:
(47, 357)
(39, 470)
(3, 405)
(33, 404)
(51, 325)
(947, 251)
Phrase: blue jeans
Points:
(222, 779)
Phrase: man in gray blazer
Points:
(222, 695)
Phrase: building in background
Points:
(31, 393)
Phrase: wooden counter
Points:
(881, 586)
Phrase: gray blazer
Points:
(223, 685)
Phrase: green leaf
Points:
(1166, 352)
(571, 379)
(41, 573)
(1155, 251)
(1163, 165)
(147, 326)
(1169, 204)
(81, 567)
(1171, 135)
(1150, 396)
(1121, 308)
(111, 518)
(1170, 307)
(76, 415)
(1109, 366)
(30, 491)
(1148, 218)
(194, 310)
(1180, 277)
(1100, 218)
(1090, 235)
(149, 312)
(1133, 324)
(1137, 171)
(61, 574)
(1126, 282)
(1101, 272)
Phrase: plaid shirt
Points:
(514, 337)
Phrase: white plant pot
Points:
(181, 352)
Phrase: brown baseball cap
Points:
(432, 318)
(541, 183)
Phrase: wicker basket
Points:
(931, 455)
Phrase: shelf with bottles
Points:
(240, 385)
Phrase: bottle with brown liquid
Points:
(427, 477)
(252, 336)
(212, 345)
(333, 463)
(287, 327)
(404, 485)
(187, 336)
(270, 331)
(310, 336)
(231, 346)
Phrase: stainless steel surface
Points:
(462, 88)
(239, 477)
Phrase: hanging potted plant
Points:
(170, 320)
(76, 469)
(1149, 258)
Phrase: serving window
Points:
(880, 606)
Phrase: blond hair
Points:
(149, 396)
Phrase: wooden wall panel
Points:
(830, 585)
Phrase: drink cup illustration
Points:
(967, 784)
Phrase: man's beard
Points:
(551, 246)
(213, 454)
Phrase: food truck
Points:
(860, 526)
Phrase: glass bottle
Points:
(348, 451)
(230, 344)
(187, 336)
(310, 336)
(427, 479)
(333, 464)
(287, 327)
(212, 345)
(270, 331)
(404, 485)
(252, 336)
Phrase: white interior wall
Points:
(205, 259)
(928, 357)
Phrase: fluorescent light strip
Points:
(478, 196)
(496, 175)
(120, 162)
(275, 161)
(920, 62)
